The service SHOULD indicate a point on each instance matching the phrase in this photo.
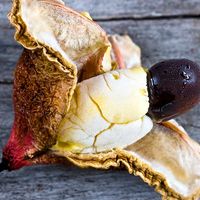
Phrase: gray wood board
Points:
(62, 183)
(117, 9)
(163, 29)
(159, 39)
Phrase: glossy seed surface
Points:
(174, 88)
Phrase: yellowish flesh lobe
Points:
(107, 111)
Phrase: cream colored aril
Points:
(107, 111)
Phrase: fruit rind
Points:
(129, 159)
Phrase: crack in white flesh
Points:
(107, 111)
(74, 36)
(174, 155)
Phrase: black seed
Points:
(174, 88)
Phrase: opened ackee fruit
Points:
(83, 97)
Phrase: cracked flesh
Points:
(103, 114)
(163, 151)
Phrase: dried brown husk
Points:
(166, 149)
(41, 94)
(46, 76)
(44, 83)
(70, 39)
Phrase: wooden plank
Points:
(9, 56)
(61, 182)
(117, 9)
(159, 39)
(6, 113)
(57, 182)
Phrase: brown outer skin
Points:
(25, 85)
(23, 37)
(44, 83)
(120, 158)
(40, 97)
(93, 66)
(43, 86)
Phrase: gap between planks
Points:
(163, 17)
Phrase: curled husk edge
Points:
(41, 64)
(161, 146)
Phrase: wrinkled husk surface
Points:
(82, 52)
(163, 145)
(44, 79)
(49, 63)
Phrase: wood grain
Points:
(118, 9)
(159, 39)
(163, 29)
(61, 183)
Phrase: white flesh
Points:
(107, 111)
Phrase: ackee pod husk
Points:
(166, 158)
(64, 35)
(59, 45)
(125, 52)
(63, 46)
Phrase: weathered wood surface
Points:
(61, 183)
(159, 39)
(117, 9)
(163, 29)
